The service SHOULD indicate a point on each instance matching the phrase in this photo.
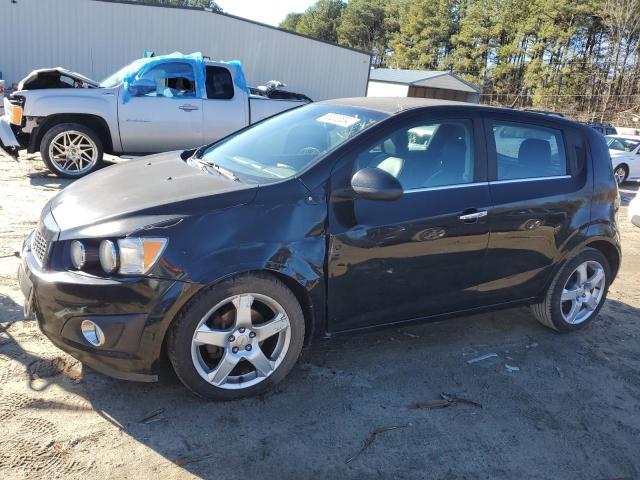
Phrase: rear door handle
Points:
(188, 108)
(472, 216)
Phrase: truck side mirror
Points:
(141, 87)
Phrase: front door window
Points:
(425, 155)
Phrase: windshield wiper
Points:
(221, 170)
(199, 151)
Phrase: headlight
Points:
(15, 114)
(132, 255)
(78, 254)
(108, 256)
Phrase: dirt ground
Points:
(552, 406)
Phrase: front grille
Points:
(39, 247)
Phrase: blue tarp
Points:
(239, 79)
(140, 67)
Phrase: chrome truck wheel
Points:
(71, 150)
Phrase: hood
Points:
(54, 78)
(144, 191)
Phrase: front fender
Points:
(98, 102)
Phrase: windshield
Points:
(621, 144)
(286, 144)
(116, 78)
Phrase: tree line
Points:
(580, 58)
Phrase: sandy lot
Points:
(569, 409)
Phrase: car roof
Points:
(634, 138)
(396, 105)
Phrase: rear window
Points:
(528, 151)
(219, 83)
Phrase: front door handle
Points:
(188, 108)
(472, 216)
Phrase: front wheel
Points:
(71, 150)
(621, 172)
(577, 292)
(237, 338)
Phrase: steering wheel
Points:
(310, 150)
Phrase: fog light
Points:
(92, 333)
(108, 256)
(78, 254)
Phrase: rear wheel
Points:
(238, 338)
(71, 150)
(621, 172)
(577, 292)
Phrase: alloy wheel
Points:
(619, 174)
(583, 291)
(73, 152)
(241, 341)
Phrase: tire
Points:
(268, 298)
(553, 312)
(621, 173)
(80, 159)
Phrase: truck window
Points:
(173, 79)
(219, 83)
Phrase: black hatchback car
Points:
(337, 216)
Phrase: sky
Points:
(264, 11)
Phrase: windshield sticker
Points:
(337, 119)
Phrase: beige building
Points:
(387, 82)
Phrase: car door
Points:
(166, 118)
(225, 110)
(541, 192)
(634, 162)
(421, 254)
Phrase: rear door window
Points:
(219, 83)
(528, 151)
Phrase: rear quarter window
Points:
(219, 83)
(528, 151)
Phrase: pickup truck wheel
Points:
(237, 338)
(71, 150)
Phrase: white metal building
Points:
(387, 82)
(97, 37)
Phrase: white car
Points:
(634, 211)
(625, 156)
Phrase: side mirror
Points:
(141, 87)
(376, 184)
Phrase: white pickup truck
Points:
(152, 105)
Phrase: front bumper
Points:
(133, 313)
(8, 141)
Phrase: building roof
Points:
(422, 78)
